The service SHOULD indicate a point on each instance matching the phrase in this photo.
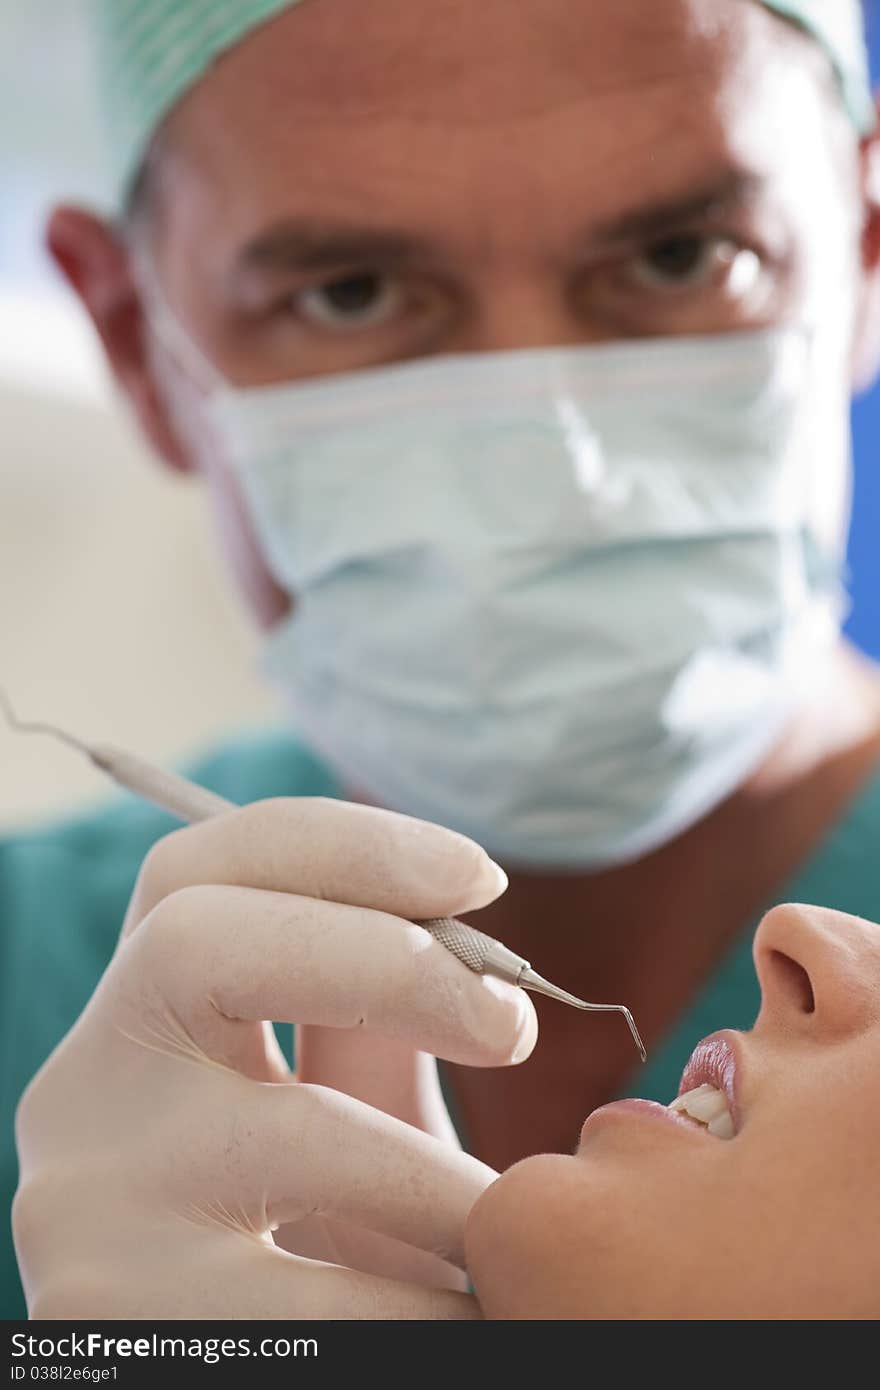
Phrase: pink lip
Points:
(639, 1109)
(715, 1062)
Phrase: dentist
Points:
(512, 346)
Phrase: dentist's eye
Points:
(689, 262)
(366, 299)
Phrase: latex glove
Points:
(165, 1138)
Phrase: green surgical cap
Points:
(150, 52)
(839, 26)
(148, 55)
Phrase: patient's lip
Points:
(716, 1062)
(638, 1109)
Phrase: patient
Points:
(758, 1197)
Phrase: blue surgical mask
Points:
(564, 600)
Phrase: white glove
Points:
(165, 1138)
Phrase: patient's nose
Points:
(819, 971)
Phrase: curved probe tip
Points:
(20, 726)
(8, 712)
(636, 1035)
(530, 979)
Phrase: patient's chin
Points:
(506, 1239)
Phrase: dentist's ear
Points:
(94, 260)
(866, 353)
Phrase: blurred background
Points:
(115, 617)
(114, 614)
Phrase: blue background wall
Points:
(864, 625)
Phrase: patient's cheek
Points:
(516, 1248)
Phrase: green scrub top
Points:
(64, 890)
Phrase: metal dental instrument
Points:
(189, 802)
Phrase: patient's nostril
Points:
(796, 981)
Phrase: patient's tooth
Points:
(722, 1126)
(705, 1104)
(708, 1107)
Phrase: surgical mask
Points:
(564, 600)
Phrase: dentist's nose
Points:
(819, 971)
(521, 313)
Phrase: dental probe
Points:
(189, 802)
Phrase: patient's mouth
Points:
(708, 1094)
(706, 1106)
(708, 1098)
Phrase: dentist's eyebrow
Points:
(734, 188)
(304, 244)
(312, 244)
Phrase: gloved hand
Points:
(165, 1139)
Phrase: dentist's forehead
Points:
(457, 61)
(442, 104)
(149, 54)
